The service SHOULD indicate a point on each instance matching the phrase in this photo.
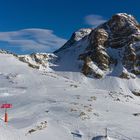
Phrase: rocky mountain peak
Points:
(120, 21)
(119, 36)
(112, 48)
(76, 36)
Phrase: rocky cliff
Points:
(113, 48)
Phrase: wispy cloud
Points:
(32, 40)
(94, 20)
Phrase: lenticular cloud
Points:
(32, 40)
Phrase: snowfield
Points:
(9, 133)
(51, 105)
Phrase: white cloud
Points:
(32, 40)
(94, 20)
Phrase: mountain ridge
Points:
(115, 41)
(111, 49)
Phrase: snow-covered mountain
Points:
(84, 87)
(112, 48)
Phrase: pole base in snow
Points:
(6, 117)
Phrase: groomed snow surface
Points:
(51, 105)
(9, 133)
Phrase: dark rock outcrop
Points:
(120, 34)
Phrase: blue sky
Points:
(57, 19)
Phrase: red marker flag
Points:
(6, 106)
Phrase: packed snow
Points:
(51, 105)
(9, 133)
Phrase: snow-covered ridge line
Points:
(75, 38)
(6, 52)
(41, 61)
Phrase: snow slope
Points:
(9, 133)
(52, 98)
(50, 105)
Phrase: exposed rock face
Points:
(40, 61)
(86, 69)
(121, 36)
(98, 40)
(137, 93)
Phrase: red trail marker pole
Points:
(6, 106)
(6, 116)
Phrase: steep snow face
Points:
(75, 38)
(78, 35)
